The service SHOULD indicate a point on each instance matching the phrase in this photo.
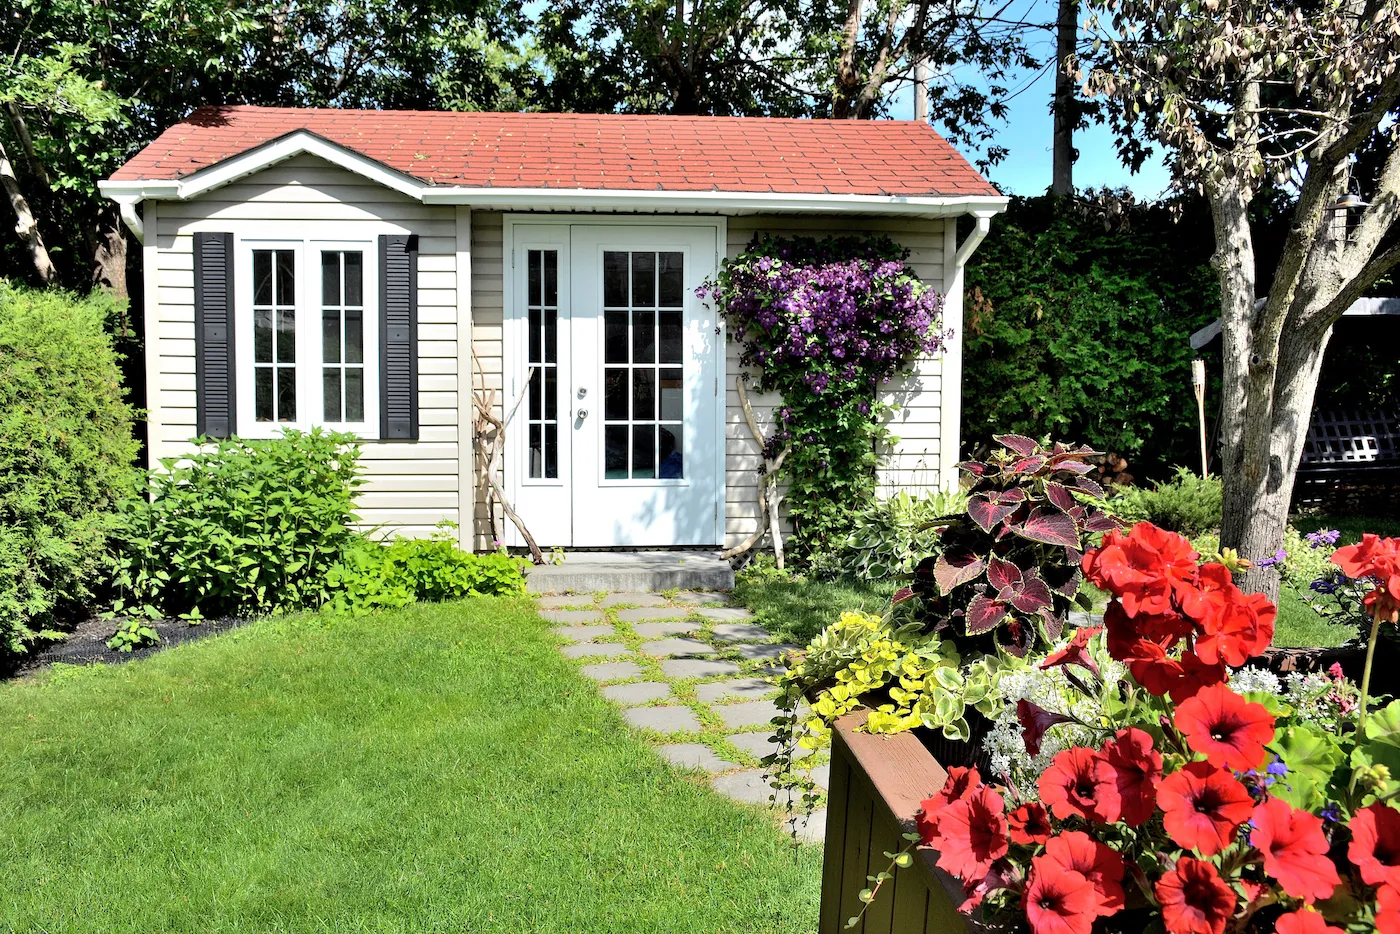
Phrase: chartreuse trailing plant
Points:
(827, 323)
(1185, 791)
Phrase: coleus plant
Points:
(1008, 570)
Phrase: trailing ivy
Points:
(826, 323)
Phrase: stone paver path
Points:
(694, 676)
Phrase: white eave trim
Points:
(541, 199)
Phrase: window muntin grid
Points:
(643, 372)
(343, 336)
(542, 322)
(274, 336)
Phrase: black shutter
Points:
(398, 337)
(213, 335)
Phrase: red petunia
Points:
(1375, 844)
(1388, 910)
(1076, 652)
(1230, 731)
(1304, 921)
(1058, 901)
(1127, 774)
(1241, 630)
(1294, 850)
(1203, 807)
(960, 783)
(1081, 853)
(1377, 558)
(1070, 786)
(972, 833)
(1194, 899)
(1143, 568)
(1035, 720)
(1030, 824)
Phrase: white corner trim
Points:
(540, 199)
(955, 259)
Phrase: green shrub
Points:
(132, 634)
(1187, 504)
(66, 453)
(376, 576)
(892, 535)
(243, 528)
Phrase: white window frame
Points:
(310, 388)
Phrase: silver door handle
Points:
(582, 413)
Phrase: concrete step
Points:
(632, 571)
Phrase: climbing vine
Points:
(827, 323)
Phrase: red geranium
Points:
(1229, 730)
(1212, 589)
(1377, 558)
(1388, 909)
(1294, 850)
(972, 833)
(961, 781)
(1142, 568)
(1304, 921)
(1375, 844)
(1030, 824)
(1203, 807)
(1076, 652)
(1069, 787)
(1127, 775)
(1242, 629)
(1081, 853)
(1194, 899)
(1058, 900)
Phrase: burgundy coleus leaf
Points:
(1059, 495)
(1008, 497)
(1049, 527)
(976, 468)
(988, 514)
(1077, 467)
(1027, 464)
(1085, 485)
(1030, 596)
(1018, 443)
(1101, 522)
(1002, 574)
(953, 570)
(984, 614)
(1016, 636)
(1054, 624)
(902, 594)
(1070, 585)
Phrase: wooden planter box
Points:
(877, 783)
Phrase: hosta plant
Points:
(1008, 571)
(1191, 798)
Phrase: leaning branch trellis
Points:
(486, 423)
(769, 498)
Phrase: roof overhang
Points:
(129, 193)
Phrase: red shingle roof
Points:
(608, 151)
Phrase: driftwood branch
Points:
(486, 419)
(769, 498)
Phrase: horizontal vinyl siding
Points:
(488, 321)
(411, 486)
(912, 463)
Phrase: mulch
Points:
(87, 644)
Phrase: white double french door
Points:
(617, 441)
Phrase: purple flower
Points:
(1278, 557)
(1323, 538)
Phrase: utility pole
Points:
(1066, 37)
(921, 91)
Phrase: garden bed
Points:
(87, 644)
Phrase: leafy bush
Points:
(66, 453)
(247, 527)
(132, 634)
(1187, 504)
(826, 323)
(1078, 321)
(892, 535)
(377, 576)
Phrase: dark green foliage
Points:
(1187, 504)
(1358, 370)
(131, 634)
(245, 527)
(66, 453)
(1008, 572)
(376, 576)
(1076, 330)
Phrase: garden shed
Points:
(368, 270)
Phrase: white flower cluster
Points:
(1051, 690)
(1313, 695)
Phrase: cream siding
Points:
(411, 486)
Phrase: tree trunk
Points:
(848, 82)
(28, 227)
(109, 256)
(1066, 36)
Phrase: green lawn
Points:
(440, 768)
(798, 608)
